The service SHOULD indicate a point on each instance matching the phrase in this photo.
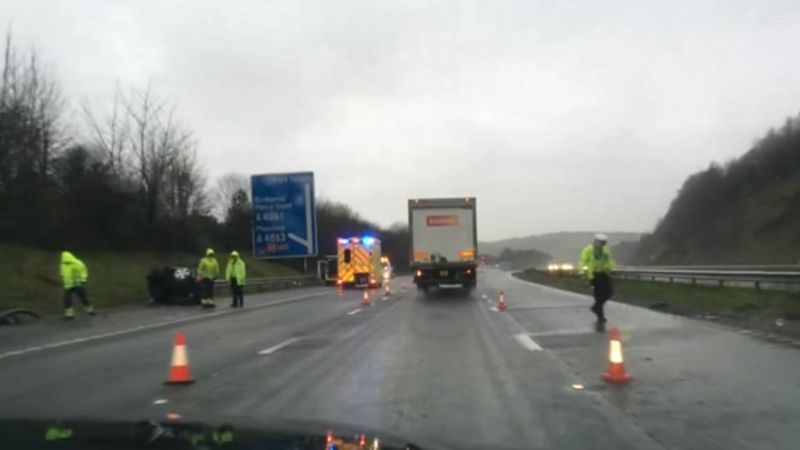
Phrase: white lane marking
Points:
(160, 401)
(354, 312)
(526, 341)
(275, 348)
(385, 298)
(95, 337)
(484, 296)
(494, 308)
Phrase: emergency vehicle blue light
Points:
(367, 240)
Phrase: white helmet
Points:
(601, 237)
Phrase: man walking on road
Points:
(207, 272)
(74, 276)
(235, 272)
(596, 262)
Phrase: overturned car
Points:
(173, 285)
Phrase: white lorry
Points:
(444, 242)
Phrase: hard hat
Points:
(235, 253)
(601, 237)
(209, 252)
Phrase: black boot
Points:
(601, 316)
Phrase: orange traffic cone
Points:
(501, 302)
(616, 366)
(387, 291)
(339, 289)
(179, 372)
(366, 301)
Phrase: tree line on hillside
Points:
(745, 211)
(131, 180)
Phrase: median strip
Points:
(765, 310)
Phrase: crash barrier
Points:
(767, 277)
(273, 282)
(174, 284)
(12, 316)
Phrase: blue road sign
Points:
(284, 215)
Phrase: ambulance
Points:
(358, 261)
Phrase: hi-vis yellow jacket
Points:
(73, 271)
(236, 269)
(591, 264)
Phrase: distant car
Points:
(561, 269)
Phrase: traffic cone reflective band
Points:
(616, 366)
(179, 369)
(501, 303)
(387, 291)
(366, 300)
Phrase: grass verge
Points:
(30, 277)
(774, 311)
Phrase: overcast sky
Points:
(556, 115)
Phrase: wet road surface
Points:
(444, 372)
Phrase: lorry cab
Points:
(327, 270)
(359, 262)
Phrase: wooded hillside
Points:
(746, 211)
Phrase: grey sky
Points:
(557, 115)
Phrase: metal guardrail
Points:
(274, 282)
(724, 267)
(775, 276)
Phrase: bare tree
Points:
(185, 191)
(110, 136)
(31, 108)
(226, 186)
(156, 141)
(143, 143)
(46, 106)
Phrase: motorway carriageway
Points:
(446, 372)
